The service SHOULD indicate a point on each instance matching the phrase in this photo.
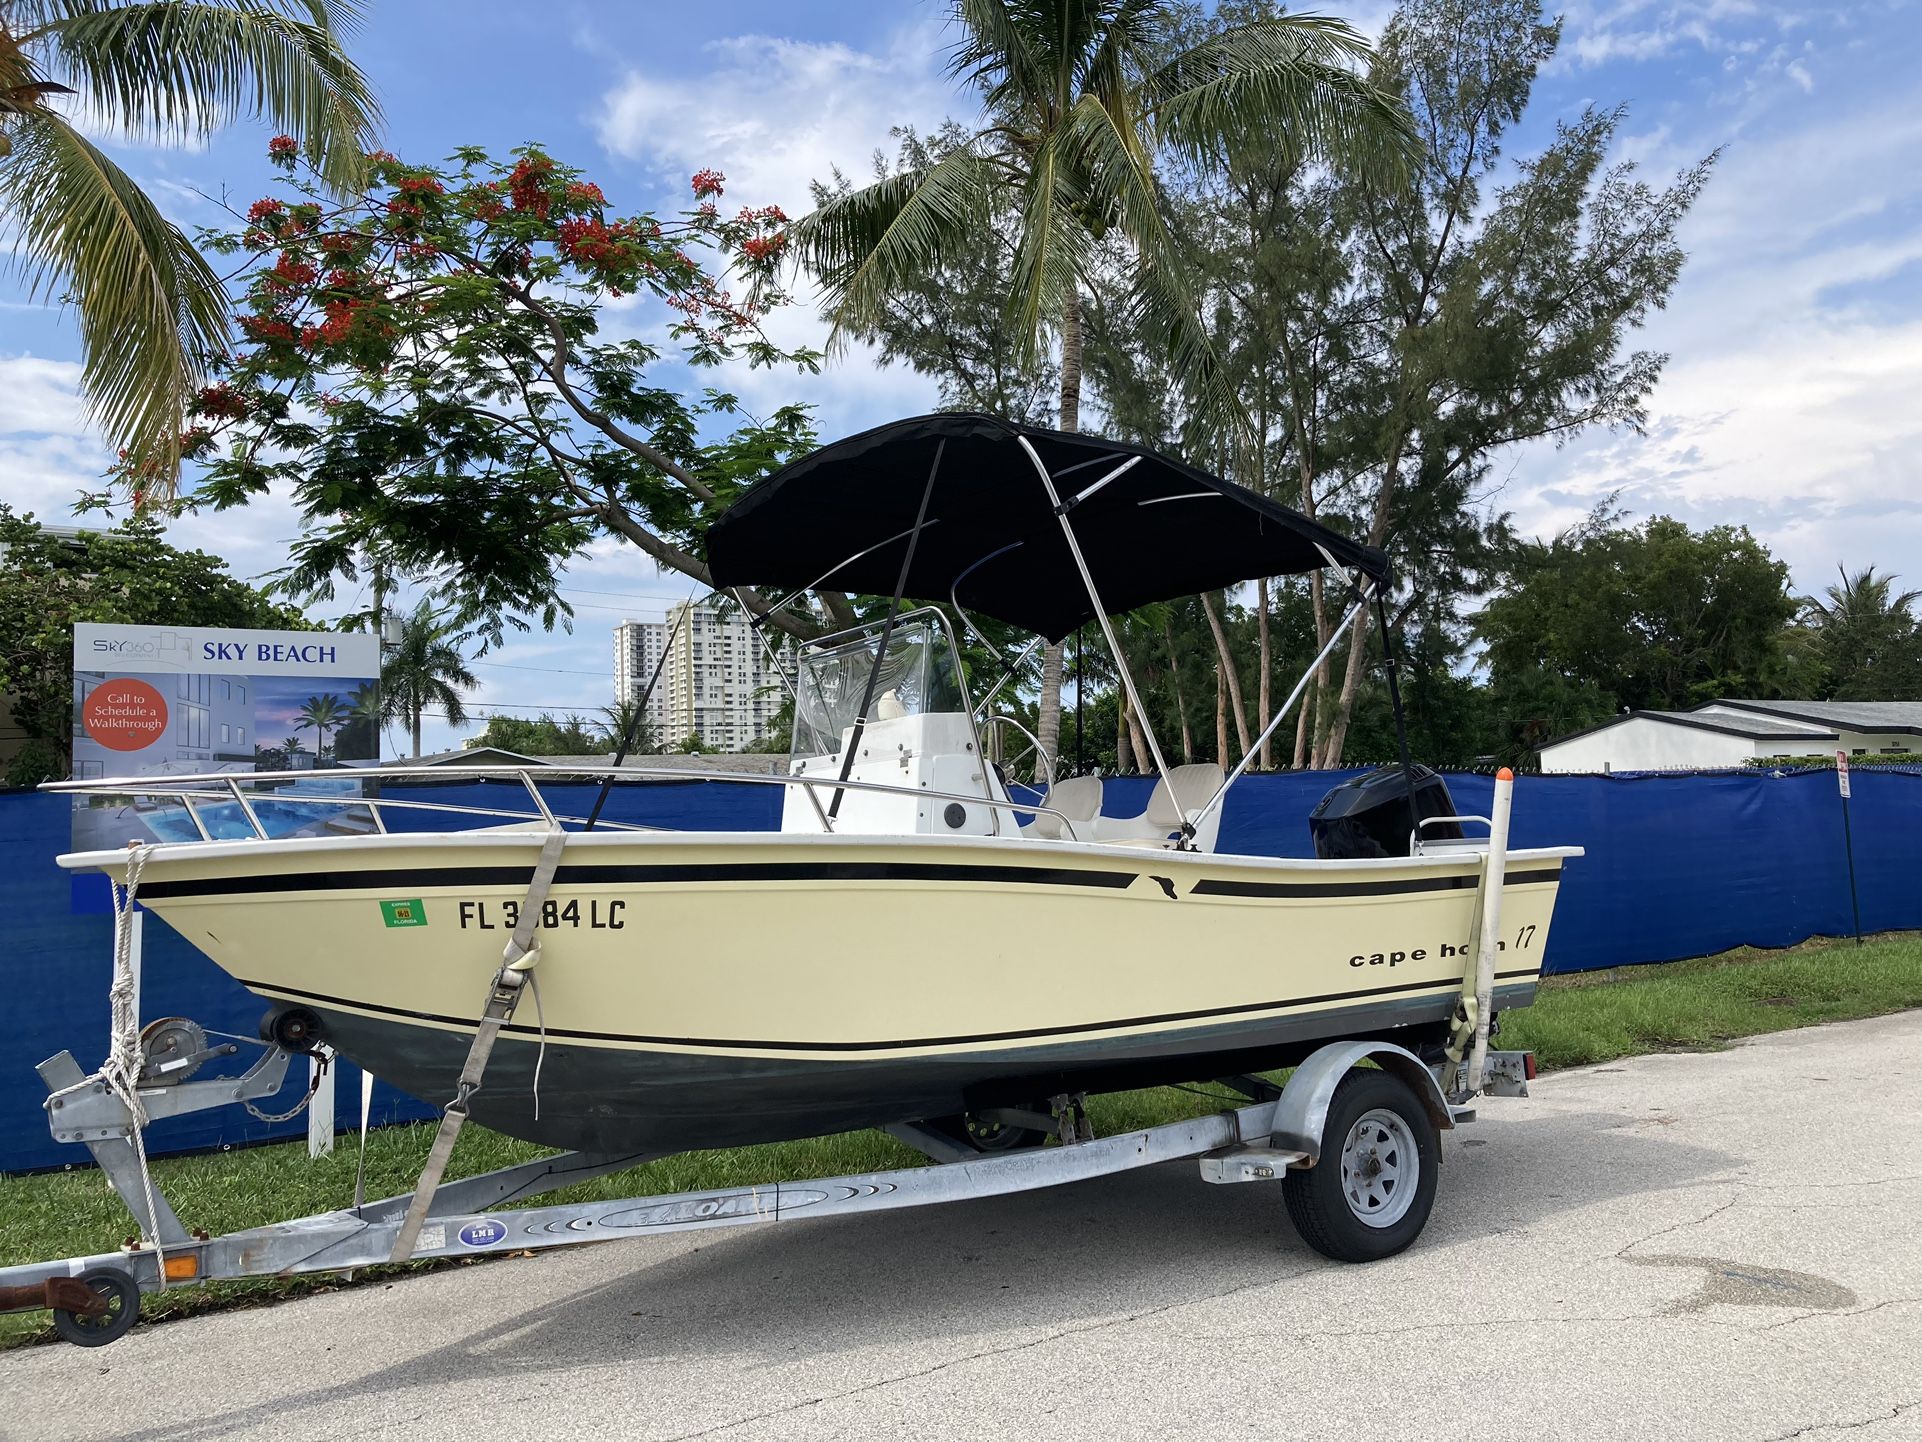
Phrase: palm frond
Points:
(1295, 76)
(1003, 53)
(871, 242)
(1055, 244)
(148, 304)
(1163, 308)
(190, 66)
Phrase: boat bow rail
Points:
(197, 795)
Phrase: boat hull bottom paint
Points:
(607, 1099)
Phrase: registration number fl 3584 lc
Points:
(595, 915)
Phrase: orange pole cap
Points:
(1504, 775)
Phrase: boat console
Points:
(918, 736)
(920, 741)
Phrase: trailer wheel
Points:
(990, 1137)
(1370, 1194)
(122, 1296)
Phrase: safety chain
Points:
(326, 1059)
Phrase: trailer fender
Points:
(1303, 1108)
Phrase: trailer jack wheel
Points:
(120, 1297)
(1370, 1194)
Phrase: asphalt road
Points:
(1679, 1247)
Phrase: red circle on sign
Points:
(124, 714)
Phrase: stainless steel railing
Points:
(225, 788)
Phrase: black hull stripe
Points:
(1373, 888)
(840, 1046)
(515, 877)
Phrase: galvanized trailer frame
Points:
(96, 1298)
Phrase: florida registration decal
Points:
(404, 913)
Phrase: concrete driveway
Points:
(1676, 1247)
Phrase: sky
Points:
(1791, 402)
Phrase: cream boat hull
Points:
(715, 989)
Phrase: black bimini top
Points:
(842, 518)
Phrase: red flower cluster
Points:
(290, 271)
(527, 185)
(707, 182)
(338, 325)
(264, 210)
(222, 402)
(586, 193)
(267, 327)
(282, 148)
(750, 216)
(422, 185)
(486, 207)
(338, 242)
(608, 250)
(764, 249)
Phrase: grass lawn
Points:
(1576, 1020)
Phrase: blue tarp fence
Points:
(1676, 866)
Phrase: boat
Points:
(921, 941)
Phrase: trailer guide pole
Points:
(1848, 840)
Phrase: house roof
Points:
(1757, 729)
(1891, 716)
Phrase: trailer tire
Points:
(1370, 1194)
(989, 1138)
(123, 1308)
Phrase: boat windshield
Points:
(919, 676)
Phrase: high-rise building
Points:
(718, 683)
(637, 653)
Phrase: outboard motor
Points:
(1368, 815)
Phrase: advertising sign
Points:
(1842, 772)
(154, 701)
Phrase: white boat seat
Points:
(1079, 799)
(1192, 786)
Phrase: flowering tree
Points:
(428, 368)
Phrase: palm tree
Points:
(422, 670)
(1077, 103)
(1865, 633)
(321, 714)
(149, 305)
(615, 722)
(291, 746)
(363, 722)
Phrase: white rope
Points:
(120, 1072)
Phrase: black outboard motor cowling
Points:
(1368, 815)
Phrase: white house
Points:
(1734, 733)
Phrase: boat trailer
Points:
(1280, 1134)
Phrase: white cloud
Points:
(773, 113)
(1796, 344)
(40, 396)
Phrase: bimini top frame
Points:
(1110, 527)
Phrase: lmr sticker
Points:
(404, 913)
(483, 1233)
